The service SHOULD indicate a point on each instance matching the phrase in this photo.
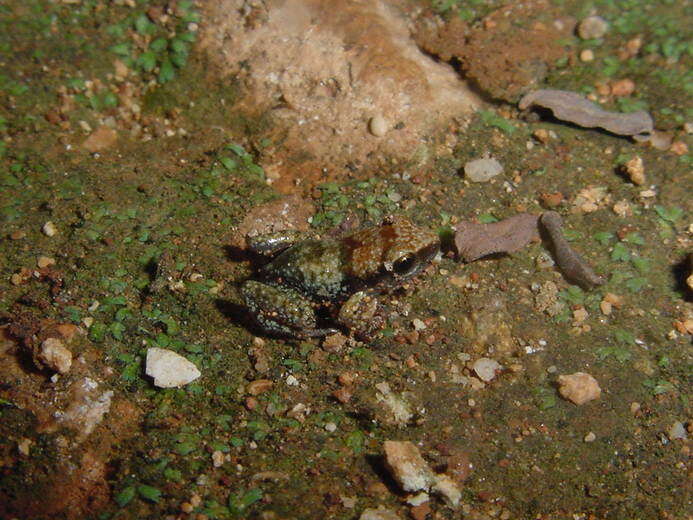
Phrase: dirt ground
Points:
(142, 142)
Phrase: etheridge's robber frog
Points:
(312, 284)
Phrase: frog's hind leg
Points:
(281, 310)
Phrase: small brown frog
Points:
(311, 285)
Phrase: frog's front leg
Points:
(269, 244)
(360, 314)
(281, 310)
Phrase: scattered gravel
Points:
(482, 170)
(169, 369)
(579, 387)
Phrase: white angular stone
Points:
(169, 369)
(407, 466)
(486, 368)
(482, 170)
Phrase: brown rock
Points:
(622, 87)
(54, 356)
(259, 386)
(343, 395)
(579, 387)
(551, 200)
(341, 63)
(459, 466)
(407, 466)
(334, 342)
(635, 170)
(421, 511)
(100, 139)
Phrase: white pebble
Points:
(49, 229)
(590, 437)
(592, 27)
(378, 125)
(331, 427)
(169, 369)
(291, 381)
(482, 170)
(677, 431)
(418, 324)
(486, 368)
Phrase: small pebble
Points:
(587, 55)
(677, 431)
(334, 342)
(486, 368)
(679, 148)
(259, 386)
(379, 514)
(378, 125)
(45, 261)
(24, 446)
(418, 324)
(592, 27)
(482, 170)
(49, 229)
(331, 427)
(605, 307)
(217, 459)
(17, 235)
(635, 170)
(169, 369)
(590, 437)
(622, 87)
(55, 356)
(291, 381)
(579, 388)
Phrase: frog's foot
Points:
(360, 315)
(281, 311)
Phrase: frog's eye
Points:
(404, 264)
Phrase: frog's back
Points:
(312, 267)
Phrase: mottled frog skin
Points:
(311, 285)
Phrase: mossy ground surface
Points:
(120, 211)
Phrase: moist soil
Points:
(133, 164)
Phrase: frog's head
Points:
(407, 249)
(392, 252)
